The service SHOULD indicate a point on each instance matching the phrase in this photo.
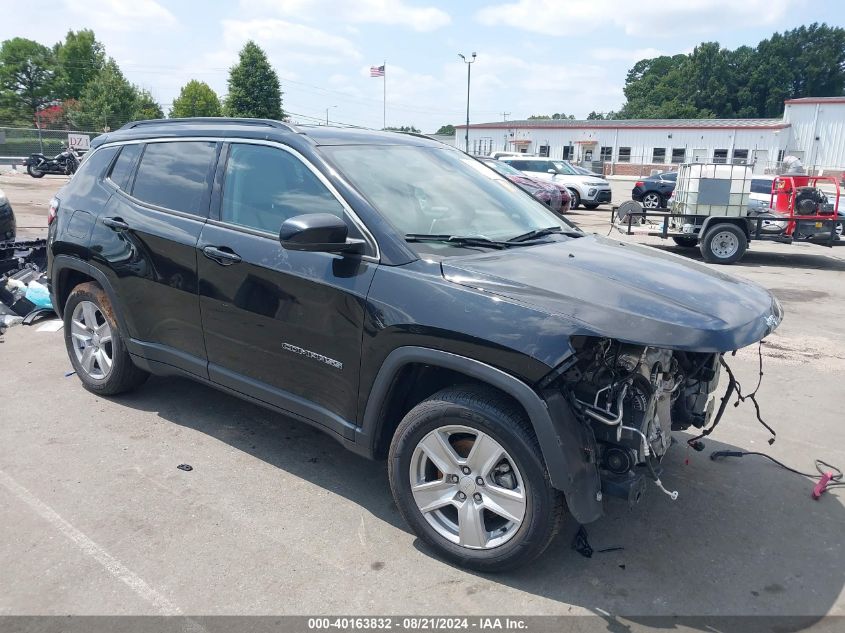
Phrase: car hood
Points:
(636, 294)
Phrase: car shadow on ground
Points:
(744, 536)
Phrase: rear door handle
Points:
(222, 255)
(116, 223)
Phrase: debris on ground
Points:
(581, 545)
(24, 296)
(185, 467)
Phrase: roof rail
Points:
(206, 119)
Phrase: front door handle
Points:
(116, 223)
(223, 255)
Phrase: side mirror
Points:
(551, 171)
(318, 232)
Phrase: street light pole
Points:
(469, 63)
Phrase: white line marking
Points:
(109, 562)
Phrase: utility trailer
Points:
(710, 210)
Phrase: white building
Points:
(811, 128)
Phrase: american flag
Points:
(377, 71)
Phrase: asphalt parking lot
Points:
(276, 518)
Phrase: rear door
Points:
(145, 241)
(282, 326)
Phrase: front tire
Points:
(30, 169)
(467, 475)
(723, 244)
(591, 205)
(652, 200)
(95, 344)
(575, 199)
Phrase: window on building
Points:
(567, 152)
(679, 154)
(544, 150)
(606, 154)
(264, 186)
(658, 155)
(175, 175)
(720, 156)
(740, 157)
(624, 155)
(780, 155)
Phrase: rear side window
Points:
(759, 185)
(264, 186)
(122, 168)
(175, 175)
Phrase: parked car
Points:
(391, 292)
(8, 226)
(499, 154)
(591, 190)
(555, 196)
(654, 192)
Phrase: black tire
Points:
(686, 242)
(710, 244)
(591, 205)
(34, 172)
(124, 374)
(487, 411)
(651, 198)
(575, 199)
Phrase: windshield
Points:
(438, 191)
(502, 168)
(564, 168)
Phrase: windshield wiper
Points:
(543, 232)
(460, 240)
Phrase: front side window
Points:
(263, 186)
(176, 175)
(426, 190)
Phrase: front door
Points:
(282, 326)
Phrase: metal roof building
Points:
(811, 128)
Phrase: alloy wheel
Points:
(92, 340)
(467, 487)
(651, 201)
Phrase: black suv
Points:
(406, 299)
(654, 192)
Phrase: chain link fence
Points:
(16, 143)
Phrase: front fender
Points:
(567, 447)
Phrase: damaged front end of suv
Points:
(633, 397)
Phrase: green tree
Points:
(109, 100)
(446, 129)
(79, 58)
(539, 116)
(196, 99)
(254, 86)
(27, 77)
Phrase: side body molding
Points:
(568, 449)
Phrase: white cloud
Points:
(122, 15)
(624, 54)
(286, 42)
(647, 18)
(392, 12)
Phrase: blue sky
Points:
(534, 56)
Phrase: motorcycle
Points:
(65, 163)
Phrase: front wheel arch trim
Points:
(562, 438)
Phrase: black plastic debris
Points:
(23, 284)
(581, 545)
(185, 467)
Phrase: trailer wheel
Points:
(724, 244)
(686, 242)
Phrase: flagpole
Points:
(384, 104)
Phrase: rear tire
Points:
(686, 242)
(30, 169)
(95, 344)
(447, 428)
(575, 199)
(652, 200)
(723, 244)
